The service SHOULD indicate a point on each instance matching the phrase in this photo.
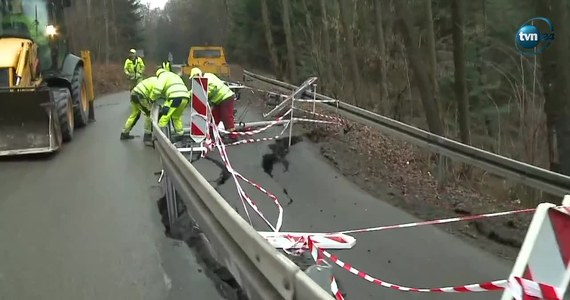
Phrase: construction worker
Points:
(134, 68)
(172, 87)
(221, 99)
(140, 103)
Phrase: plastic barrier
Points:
(545, 253)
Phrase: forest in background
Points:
(448, 66)
(108, 28)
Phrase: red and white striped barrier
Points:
(530, 288)
(199, 112)
(545, 253)
(299, 240)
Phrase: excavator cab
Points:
(42, 86)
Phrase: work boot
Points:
(126, 136)
(147, 139)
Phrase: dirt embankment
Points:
(110, 78)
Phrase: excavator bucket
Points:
(26, 124)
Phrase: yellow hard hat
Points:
(160, 71)
(133, 51)
(195, 72)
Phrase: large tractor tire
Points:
(79, 95)
(64, 109)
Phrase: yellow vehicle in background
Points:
(210, 59)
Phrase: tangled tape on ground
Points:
(235, 175)
(533, 288)
(299, 245)
(529, 288)
(335, 290)
(440, 221)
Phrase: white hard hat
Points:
(195, 72)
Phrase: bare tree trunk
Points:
(269, 38)
(556, 82)
(311, 31)
(430, 40)
(421, 71)
(346, 11)
(338, 52)
(327, 41)
(292, 61)
(382, 49)
(86, 39)
(88, 9)
(107, 44)
(458, 19)
(228, 10)
(115, 29)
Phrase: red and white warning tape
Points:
(250, 141)
(260, 130)
(315, 121)
(235, 175)
(440, 221)
(320, 115)
(335, 290)
(530, 288)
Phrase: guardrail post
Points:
(171, 203)
(291, 123)
(314, 97)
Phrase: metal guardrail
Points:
(539, 178)
(261, 271)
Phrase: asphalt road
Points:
(324, 201)
(84, 224)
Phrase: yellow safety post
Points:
(86, 56)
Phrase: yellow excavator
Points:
(43, 87)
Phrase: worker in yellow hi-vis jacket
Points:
(172, 87)
(134, 68)
(140, 103)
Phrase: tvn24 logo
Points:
(530, 40)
